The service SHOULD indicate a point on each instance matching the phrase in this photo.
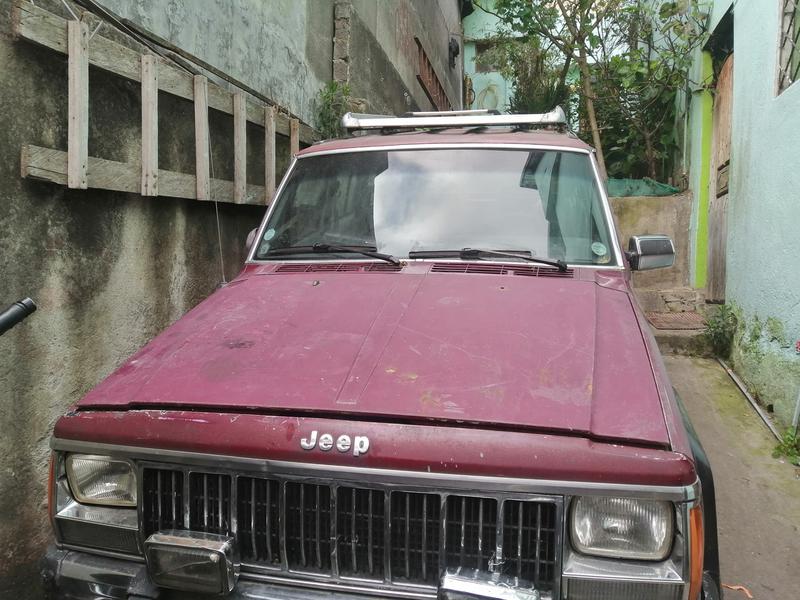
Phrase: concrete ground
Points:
(758, 497)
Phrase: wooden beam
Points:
(269, 153)
(201, 147)
(149, 125)
(49, 164)
(42, 27)
(239, 147)
(78, 101)
(294, 137)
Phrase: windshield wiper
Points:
(480, 254)
(370, 251)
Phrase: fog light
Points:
(191, 561)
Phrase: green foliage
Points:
(333, 102)
(789, 447)
(634, 56)
(720, 329)
(540, 80)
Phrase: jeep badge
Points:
(359, 444)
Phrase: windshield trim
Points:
(610, 223)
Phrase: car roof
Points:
(471, 136)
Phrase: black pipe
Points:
(15, 313)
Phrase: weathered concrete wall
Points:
(383, 56)
(763, 270)
(281, 48)
(667, 215)
(108, 270)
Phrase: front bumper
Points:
(73, 575)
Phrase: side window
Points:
(789, 67)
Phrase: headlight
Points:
(101, 480)
(622, 527)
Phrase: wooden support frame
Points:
(269, 153)
(155, 74)
(239, 147)
(201, 142)
(78, 109)
(149, 125)
(294, 136)
(42, 27)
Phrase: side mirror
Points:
(251, 237)
(647, 252)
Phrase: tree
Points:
(571, 26)
(640, 67)
(632, 57)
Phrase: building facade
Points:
(741, 133)
(485, 85)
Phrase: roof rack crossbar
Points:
(458, 118)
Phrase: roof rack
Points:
(455, 118)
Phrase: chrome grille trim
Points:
(408, 550)
(383, 477)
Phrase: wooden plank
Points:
(269, 153)
(49, 164)
(239, 147)
(294, 137)
(201, 147)
(149, 125)
(78, 104)
(42, 27)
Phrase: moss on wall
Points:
(764, 358)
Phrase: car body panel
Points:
(428, 449)
(518, 352)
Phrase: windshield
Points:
(544, 202)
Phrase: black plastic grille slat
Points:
(162, 500)
(308, 514)
(471, 531)
(257, 518)
(395, 537)
(210, 503)
(360, 539)
(414, 545)
(529, 530)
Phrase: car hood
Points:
(490, 348)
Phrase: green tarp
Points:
(618, 188)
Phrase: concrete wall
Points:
(491, 89)
(763, 270)
(108, 270)
(376, 45)
(281, 48)
(667, 215)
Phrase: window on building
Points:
(486, 57)
(789, 68)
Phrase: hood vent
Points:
(347, 267)
(498, 269)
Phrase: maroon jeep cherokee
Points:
(431, 379)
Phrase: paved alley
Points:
(758, 497)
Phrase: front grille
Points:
(386, 535)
